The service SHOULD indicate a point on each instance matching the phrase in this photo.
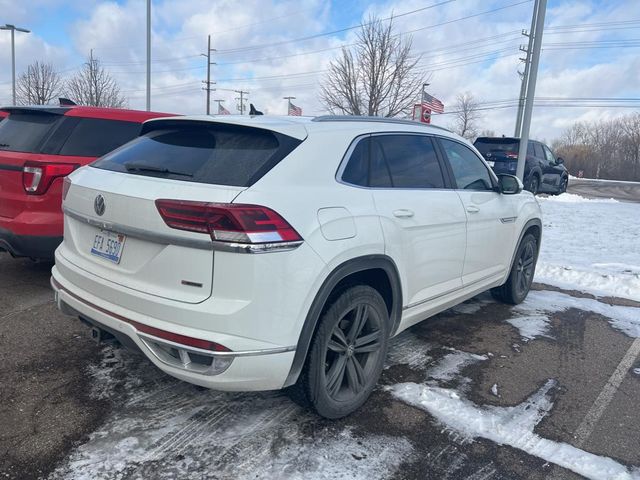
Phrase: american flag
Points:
(222, 110)
(293, 110)
(431, 102)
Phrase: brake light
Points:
(228, 222)
(37, 177)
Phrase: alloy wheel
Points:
(525, 269)
(352, 352)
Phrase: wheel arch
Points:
(378, 271)
(533, 226)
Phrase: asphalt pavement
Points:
(71, 409)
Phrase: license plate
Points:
(108, 245)
(491, 163)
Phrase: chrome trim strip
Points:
(508, 219)
(448, 292)
(233, 354)
(168, 239)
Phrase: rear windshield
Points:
(215, 154)
(496, 145)
(24, 132)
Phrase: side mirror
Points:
(559, 160)
(509, 184)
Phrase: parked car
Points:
(3, 115)
(543, 171)
(39, 146)
(260, 253)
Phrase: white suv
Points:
(258, 253)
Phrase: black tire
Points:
(517, 286)
(564, 182)
(533, 185)
(345, 358)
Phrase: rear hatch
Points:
(21, 137)
(500, 153)
(113, 226)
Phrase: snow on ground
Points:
(531, 326)
(450, 365)
(511, 426)
(537, 303)
(590, 245)
(166, 429)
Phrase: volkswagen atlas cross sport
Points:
(38, 147)
(258, 253)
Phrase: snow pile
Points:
(573, 198)
(590, 245)
(511, 426)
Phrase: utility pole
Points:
(219, 101)
(208, 82)
(148, 55)
(525, 75)
(288, 99)
(531, 87)
(13, 29)
(242, 100)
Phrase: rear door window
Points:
(94, 137)
(216, 154)
(25, 132)
(394, 161)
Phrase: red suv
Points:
(39, 146)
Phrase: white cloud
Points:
(116, 30)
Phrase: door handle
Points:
(472, 209)
(403, 213)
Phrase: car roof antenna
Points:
(65, 102)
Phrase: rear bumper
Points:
(239, 370)
(40, 247)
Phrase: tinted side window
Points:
(468, 170)
(25, 132)
(539, 152)
(550, 157)
(94, 137)
(357, 170)
(531, 150)
(411, 160)
(215, 154)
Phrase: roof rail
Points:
(363, 118)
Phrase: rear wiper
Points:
(4, 145)
(137, 167)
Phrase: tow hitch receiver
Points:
(101, 336)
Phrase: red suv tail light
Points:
(37, 177)
(228, 222)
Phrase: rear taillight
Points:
(511, 154)
(37, 177)
(228, 222)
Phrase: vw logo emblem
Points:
(98, 205)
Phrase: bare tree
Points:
(94, 86)
(603, 149)
(378, 77)
(38, 85)
(466, 116)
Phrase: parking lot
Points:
(480, 391)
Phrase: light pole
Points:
(13, 29)
(148, 55)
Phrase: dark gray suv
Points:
(543, 171)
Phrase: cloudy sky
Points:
(275, 48)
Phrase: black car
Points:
(543, 172)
